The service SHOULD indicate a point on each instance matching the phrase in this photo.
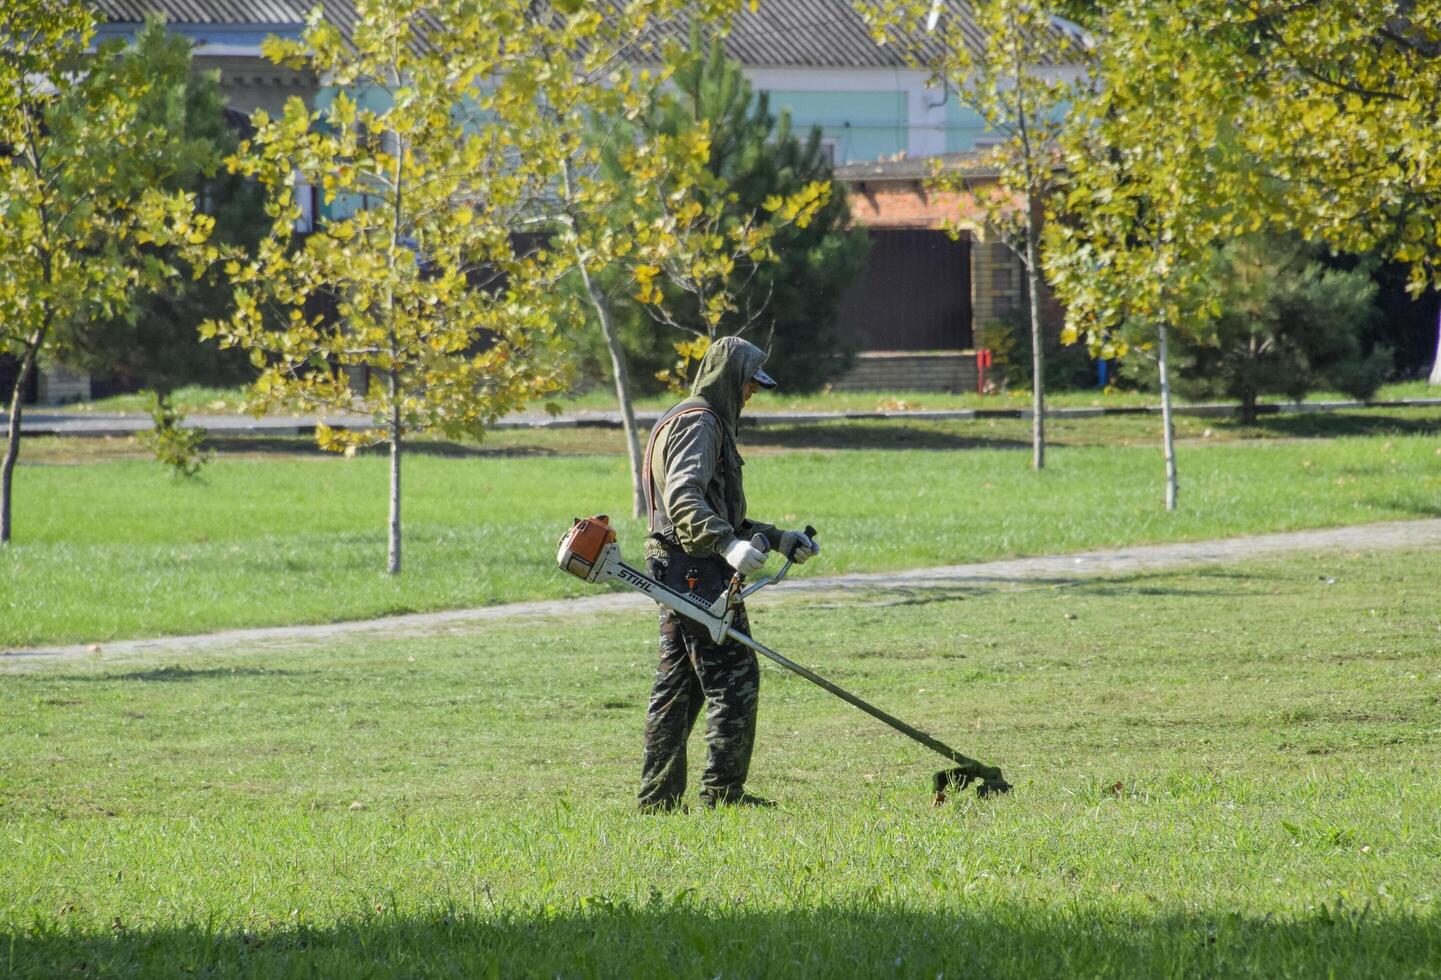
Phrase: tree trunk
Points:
(12, 441)
(1168, 435)
(622, 385)
(392, 564)
(393, 561)
(617, 357)
(1038, 345)
(33, 346)
(1248, 407)
(1436, 365)
(1034, 215)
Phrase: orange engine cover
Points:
(581, 547)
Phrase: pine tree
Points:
(787, 301)
(1286, 325)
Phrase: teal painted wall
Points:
(366, 97)
(369, 97)
(864, 125)
(963, 126)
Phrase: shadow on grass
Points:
(924, 594)
(305, 446)
(1330, 425)
(1236, 575)
(1122, 589)
(1405, 505)
(877, 435)
(172, 674)
(604, 938)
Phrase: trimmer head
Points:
(990, 780)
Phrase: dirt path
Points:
(1072, 567)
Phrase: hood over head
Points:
(727, 365)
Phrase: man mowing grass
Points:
(699, 533)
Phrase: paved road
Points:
(39, 422)
(1054, 568)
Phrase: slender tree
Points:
(462, 194)
(1127, 266)
(664, 225)
(155, 343)
(413, 303)
(659, 226)
(1019, 66)
(1334, 108)
(1129, 259)
(82, 186)
(789, 299)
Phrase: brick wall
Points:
(908, 204)
(880, 371)
(997, 282)
(998, 290)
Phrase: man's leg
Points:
(675, 702)
(730, 676)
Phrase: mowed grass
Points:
(117, 548)
(781, 400)
(1228, 771)
(198, 400)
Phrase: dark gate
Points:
(915, 293)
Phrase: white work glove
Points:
(746, 556)
(805, 547)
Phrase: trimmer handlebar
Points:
(589, 551)
(773, 579)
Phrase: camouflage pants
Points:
(693, 669)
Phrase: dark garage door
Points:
(915, 293)
(9, 371)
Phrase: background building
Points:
(917, 306)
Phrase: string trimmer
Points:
(589, 551)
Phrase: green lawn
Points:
(114, 547)
(200, 400)
(1221, 772)
(190, 399)
(869, 401)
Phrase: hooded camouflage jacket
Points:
(696, 487)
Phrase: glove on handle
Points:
(811, 533)
(746, 556)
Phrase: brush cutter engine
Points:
(587, 547)
(589, 551)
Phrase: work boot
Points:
(664, 806)
(741, 799)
